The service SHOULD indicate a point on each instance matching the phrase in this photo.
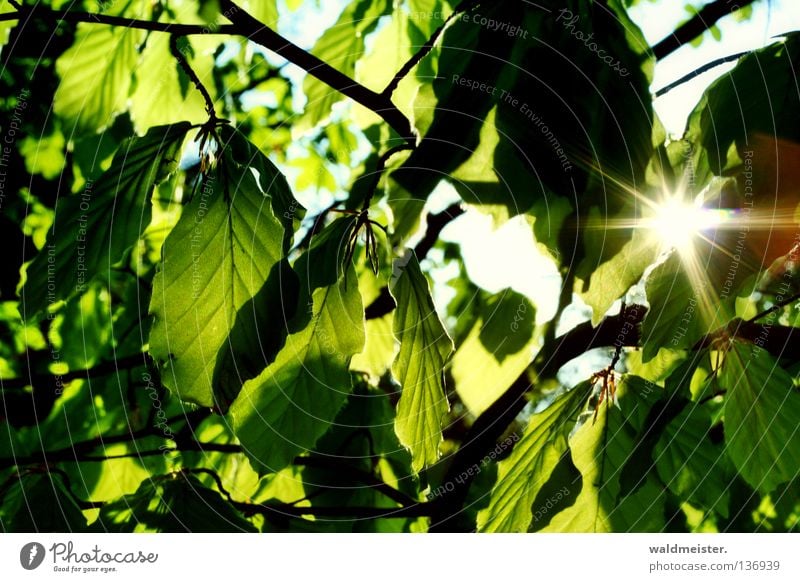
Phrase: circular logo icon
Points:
(31, 555)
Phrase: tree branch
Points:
(247, 25)
(777, 307)
(705, 19)
(76, 451)
(344, 512)
(76, 454)
(330, 463)
(25, 13)
(101, 369)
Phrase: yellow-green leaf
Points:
(425, 348)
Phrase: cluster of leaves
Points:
(187, 348)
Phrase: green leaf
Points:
(496, 351)
(392, 47)
(291, 404)
(691, 464)
(525, 471)
(158, 95)
(222, 278)
(39, 502)
(727, 116)
(265, 11)
(96, 76)
(362, 437)
(44, 154)
(428, 15)
(376, 359)
(419, 366)
(93, 230)
(600, 449)
(314, 173)
(762, 406)
(612, 279)
(81, 331)
(510, 127)
(453, 130)
(681, 311)
(752, 137)
(341, 46)
(287, 209)
(6, 26)
(176, 503)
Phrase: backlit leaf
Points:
(284, 410)
(425, 348)
(522, 474)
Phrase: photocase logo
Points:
(31, 555)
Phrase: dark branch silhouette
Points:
(96, 371)
(247, 25)
(705, 19)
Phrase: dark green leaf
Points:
(762, 406)
(220, 281)
(496, 351)
(176, 503)
(37, 503)
(599, 450)
(93, 229)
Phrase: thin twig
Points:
(779, 305)
(380, 167)
(186, 68)
(213, 474)
(699, 71)
(76, 451)
(425, 48)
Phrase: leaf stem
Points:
(180, 56)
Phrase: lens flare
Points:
(678, 223)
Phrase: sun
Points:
(677, 223)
